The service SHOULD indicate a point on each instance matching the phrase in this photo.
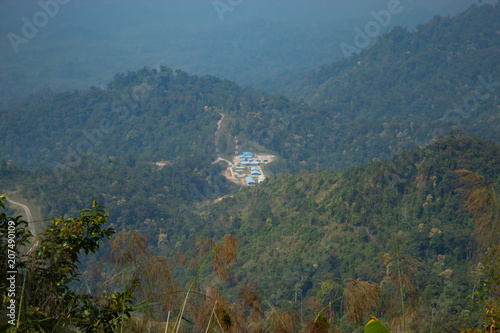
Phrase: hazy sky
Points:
(67, 44)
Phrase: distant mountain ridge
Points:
(362, 173)
(401, 92)
(410, 87)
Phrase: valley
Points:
(170, 201)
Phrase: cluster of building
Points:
(248, 160)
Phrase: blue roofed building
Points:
(250, 181)
(248, 154)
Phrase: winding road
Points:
(29, 219)
(27, 212)
(217, 144)
(217, 136)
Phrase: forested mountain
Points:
(411, 86)
(250, 42)
(298, 232)
(145, 115)
(362, 182)
(136, 197)
(445, 49)
(403, 91)
(302, 236)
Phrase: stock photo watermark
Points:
(85, 147)
(406, 164)
(223, 6)
(484, 90)
(11, 273)
(95, 137)
(372, 29)
(30, 28)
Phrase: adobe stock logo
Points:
(222, 7)
(372, 29)
(381, 19)
(40, 19)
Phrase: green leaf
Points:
(375, 326)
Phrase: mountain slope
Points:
(299, 231)
(409, 87)
(401, 92)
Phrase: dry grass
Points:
(223, 254)
(150, 277)
(213, 312)
(482, 202)
(129, 247)
(252, 301)
(360, 298)
(282, 321)
(317, 325)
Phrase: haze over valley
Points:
(249, 166)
